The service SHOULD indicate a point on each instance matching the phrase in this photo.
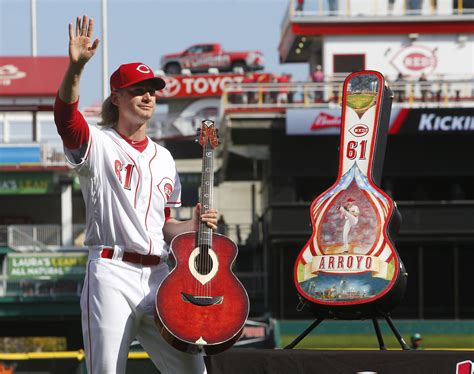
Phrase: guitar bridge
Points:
(202, 300)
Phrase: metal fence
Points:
(35, 237)
(407, 94)
(378, 8)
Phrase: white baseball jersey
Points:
(354, 210)
(125, 192)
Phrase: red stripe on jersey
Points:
(151, 187)
(89, 316)
(151, 245)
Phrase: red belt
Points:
(135, 258)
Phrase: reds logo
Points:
(415, 59)
(142, 68)
(359, 130)
(9, 72)
(166, 188)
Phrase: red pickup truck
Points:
(201, 57)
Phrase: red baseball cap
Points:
(134, 72)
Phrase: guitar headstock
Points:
(208, 133)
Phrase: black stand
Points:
(400, 339)
(387, 317)
(379, 334)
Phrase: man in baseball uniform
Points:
(350, 213)
(129, 184)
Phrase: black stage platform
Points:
(251, 361)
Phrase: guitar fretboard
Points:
(207, 184)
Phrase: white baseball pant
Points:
(117, 303)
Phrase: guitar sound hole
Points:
(203, 264)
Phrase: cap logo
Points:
(143, 69)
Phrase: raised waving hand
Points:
(81, 50)
(81, 47)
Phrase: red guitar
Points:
(201, 305)
(349, 268)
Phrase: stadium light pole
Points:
(105, 51)
(34, 47)
(34, 51)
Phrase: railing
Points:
(48, 237)
(367, 9)
(3, 236)
(52, 155)
(409, 94)
(18, 132)
(35, 289)
(238, 232)
(35, 237)
(25, 238)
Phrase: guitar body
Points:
(201, 306)
(349, 268)
(191, 327)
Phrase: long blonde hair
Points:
(109, 113)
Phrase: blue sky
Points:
(144, 30)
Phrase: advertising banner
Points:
(202, 85)
(31, 76)
(12, 183)
(46, 265)
(327, 121)
(258, 334)
(439, 120)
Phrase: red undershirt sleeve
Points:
(70, 123)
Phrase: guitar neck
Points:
(207, 184)
(366, 116)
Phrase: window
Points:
(348, 63)
(196, 49)
(21, 132)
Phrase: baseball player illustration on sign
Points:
(129, 185)
(350, 213)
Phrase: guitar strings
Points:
(203, 266)
(208, 201)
